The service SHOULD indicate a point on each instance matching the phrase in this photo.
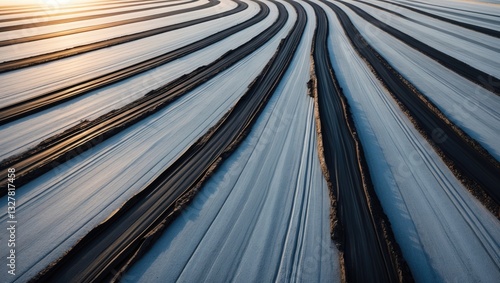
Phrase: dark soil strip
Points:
(476, 76)
(87, 17)
(483, 30)
(37, 104)
(114, 245)
(450, 8)
(7, 42)
(371, 253)
(56, 55)
(470, 163)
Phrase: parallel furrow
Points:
(447, 31)
(37, 104)
(211, 3)
(474, 75)
(74, 13)
(83, 18)
(367, 252)
(451, 8)
(37, 8)
(57, 55)
(74, 141)
(469, 161)
(494, 33)
(115, 242)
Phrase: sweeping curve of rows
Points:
(252, 140)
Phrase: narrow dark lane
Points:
(366, 252)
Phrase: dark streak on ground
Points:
(371, 253)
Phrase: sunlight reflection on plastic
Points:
(54, 4)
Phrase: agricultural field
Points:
(250, 140)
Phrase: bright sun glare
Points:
(55, 2)
(50, 3)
